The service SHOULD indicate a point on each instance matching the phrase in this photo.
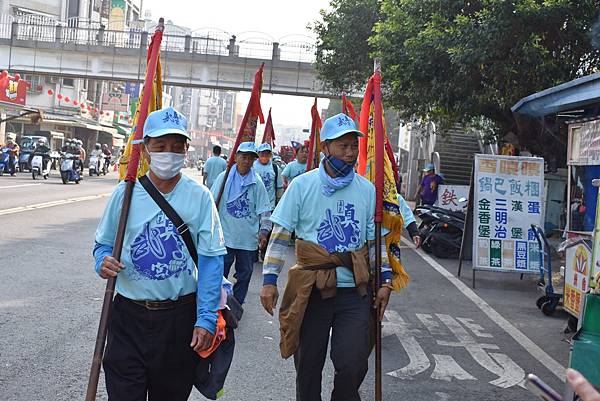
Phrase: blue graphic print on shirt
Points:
(158, 252)
(266, 179)
(340, 231)
(240, 208)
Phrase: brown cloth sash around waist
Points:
(315, 268)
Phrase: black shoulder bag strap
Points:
(162, 203)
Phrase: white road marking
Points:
(50, 204)
(418, 361)
(532, 348)
(446, 368)
(431, 324)
(19, 186)
(475, 328)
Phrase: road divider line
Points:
(19, 186)
(51, 204)
(532, 348)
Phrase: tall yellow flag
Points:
(392, 217)
(155, 104)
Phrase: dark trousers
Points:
(347, 315)
(148, 353)
(244, 264)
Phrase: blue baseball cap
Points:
(429, 167)
(337, 126)
(264, 147)
(247, 147)
(164, 122)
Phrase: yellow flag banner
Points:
(392, 217)
(155, 104)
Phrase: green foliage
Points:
(343, 51)
(458, 61)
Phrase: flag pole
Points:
(253, 111)
(379, 182)
(130, 179)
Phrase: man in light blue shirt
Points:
(269, 172)
(214, 166)
(296, 167)
(244, 210)
(331, 207)
(165, 308)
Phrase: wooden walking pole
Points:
(153, 54)
(379, 183)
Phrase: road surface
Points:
(442, 340)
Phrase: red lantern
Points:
(67, 99)
(75, 103)
(89, 108)
(59, 96)
(83, 105)
(50, 92)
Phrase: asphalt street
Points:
(442, 340)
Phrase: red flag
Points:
(314, 145)
(365, 111)
(348, 108)
(269, 135)
(247, 130)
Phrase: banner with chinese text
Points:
(578, 258)
(508, 199)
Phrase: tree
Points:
(456, 61)
(343, 52)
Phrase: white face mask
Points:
(166, 165)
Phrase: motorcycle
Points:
(37, 169)
(68, 171)
(94, 166)
(7, 162)
(441, 230)
(106, 164)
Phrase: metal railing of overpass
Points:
(207, 41)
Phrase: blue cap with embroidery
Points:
(247, 147)
(264, 147)
(164, 122)
(429, 167)
(337, 126)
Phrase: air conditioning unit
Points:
(52, 79)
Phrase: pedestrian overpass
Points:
(200, 59)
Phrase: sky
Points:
(276, 18)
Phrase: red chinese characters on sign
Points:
(13, 89)
(449, 197)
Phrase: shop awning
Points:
(568, 96)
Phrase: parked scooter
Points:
(7, 162)
(441, 230)
(37, 166)
(68, 170)
(94, 166)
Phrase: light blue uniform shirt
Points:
(339, 223)
(267, 174)
(214, 166)
(241, 218)
(157, 263)
(293, 170)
